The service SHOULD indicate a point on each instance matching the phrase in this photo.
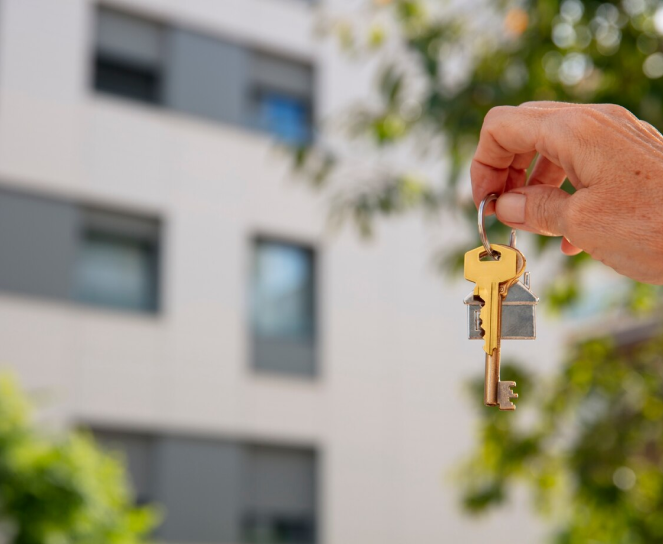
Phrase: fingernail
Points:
(511, 208)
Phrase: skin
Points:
(614, 161)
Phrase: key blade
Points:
(489, 317)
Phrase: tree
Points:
(60, 489)
(594, 453)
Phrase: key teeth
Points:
(504, 394)
(482, 321)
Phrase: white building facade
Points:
(170, 289)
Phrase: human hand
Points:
(614, 161)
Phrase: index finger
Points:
(509, 131)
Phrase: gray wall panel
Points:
(285, 355)
(206, 76)
(38, 240)
(137, 452)
(279, 74)
(280, 480)
(198, 483)
(129, 37)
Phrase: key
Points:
(493, 279)
(521, 263)
(505, 389)
(488, 275)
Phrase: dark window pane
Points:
(127, 80)
(282, 96)
(278, 530)
(283, 308)
(129, 56)
(116, 267)
(285, 117)
(282, 291)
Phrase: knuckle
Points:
(650, 129)
(541, 214)
(583, 126)
(496, 115)
(586, 118)
(535, 104)
(615, 110)
(648, 126)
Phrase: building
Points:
(174, 294)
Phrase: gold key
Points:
(488, 275)
(493, 279)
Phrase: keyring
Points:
(482, 231)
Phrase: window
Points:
(221, 491)
(279, 495)
(285, 117)
(116, 265)
(129, 58)
(203, 76)
(283, 307)
(60, 250)
(282, 93)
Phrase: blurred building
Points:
(173, 293)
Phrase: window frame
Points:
(249, 119)
(315, 250)
(155, 439)
(110, 223)
(94, 53)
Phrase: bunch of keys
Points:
(500, 307)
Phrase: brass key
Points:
(487, 275)
(492, 279)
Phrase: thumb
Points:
(537, 208)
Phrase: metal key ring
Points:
(482, 231)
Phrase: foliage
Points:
(57, 490)
(593, 453)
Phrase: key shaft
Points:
(492, 378)
(490, 313)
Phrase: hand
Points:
(615, 162)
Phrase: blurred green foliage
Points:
(592, 456)
(592, 451)
(60, 489)
(443, 65)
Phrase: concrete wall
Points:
(387, 411)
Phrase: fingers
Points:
(556, 130)
(539, 208)
(517, 175)
(546, 172)
(569, 249)
(509, 132)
